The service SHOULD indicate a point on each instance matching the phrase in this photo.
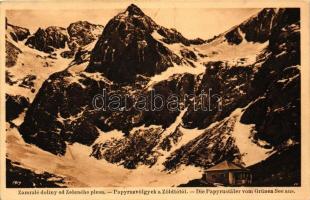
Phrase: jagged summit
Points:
(127, 48)
(134, 10)
(258, 28)
(52, 38)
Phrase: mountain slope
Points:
(254, 102)
(126, 42)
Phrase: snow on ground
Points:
(286, 81)
(81, 170)
(96, 76)
(75, 68)
(174, 125)
(105, 136)
(252, 151)
(157, 36)
(188, 135)
(241, 55)
(165, 133)
(33, 62)
(176, 69)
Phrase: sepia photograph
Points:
(139, 96)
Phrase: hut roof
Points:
(226, 165)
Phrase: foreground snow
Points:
(80, 170)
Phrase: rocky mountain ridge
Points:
(75, 36)
(257, 98)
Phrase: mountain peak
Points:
(134, 10)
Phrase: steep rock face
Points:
(223, 88)
(275, 87)
(51, 119)
(127, 48)
(76, 36)
(256, 29)
(82, 33)
(49, 39)
(137, 148)
(212, 146)
(234, 36)
(13, 34)
(277, 80)
(277, 115)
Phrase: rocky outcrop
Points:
(256, 29)
(197, 41)
(278, 80)
(283, 169)
(137, 148)
(223, 88)
(48, 39)
(11, 54)
(51, 120)
(17, 33)
(234, 37)
(76, 36)
(171, 36)
(188, 54)
(48, 123)
(15, 105)
(214, 145)
(82, 33)
(28, 81)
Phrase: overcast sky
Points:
(191, 22)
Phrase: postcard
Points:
(155, 100)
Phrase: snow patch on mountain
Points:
(243, 133)
(243, 54)
(176, 69)
(36, 64)
(109, 135)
